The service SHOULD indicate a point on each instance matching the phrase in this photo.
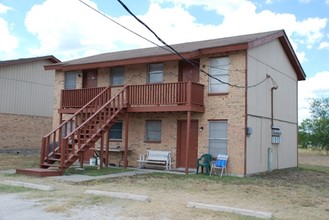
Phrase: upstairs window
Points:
(219, 70)
(70, 80)
(117, 76)
(217, 139)
(116, 131)
(153, 131)
(155, 73)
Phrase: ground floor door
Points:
(181, 144)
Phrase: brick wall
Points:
(20, 131)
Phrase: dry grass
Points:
(14, 161)
(297, 193)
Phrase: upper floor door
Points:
(189, 72)
(89, 79)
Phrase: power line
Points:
(177, 53)
(171, 50)
(104, 15)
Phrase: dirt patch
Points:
(20, 151)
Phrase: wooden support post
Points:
(126, 121)
(107, 149)
(43, 151)
(82, 157)
(188, 129)
(63, 143)
(101, 153)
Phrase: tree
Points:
(315, 131)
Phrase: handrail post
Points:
(43, 147)
(126, 95)
(189, 93)
(63, 145)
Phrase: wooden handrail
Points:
(76, 98)
(54, 137)
(97, 120)
(177, 93)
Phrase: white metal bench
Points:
(157, 158)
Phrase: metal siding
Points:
(259, 108)
(257, 145)
(27, 89)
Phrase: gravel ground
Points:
(14, 207)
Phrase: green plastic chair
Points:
(204, 162)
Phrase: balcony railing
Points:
(76, 98)
(178, 94)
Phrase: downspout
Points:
(246, 113)
(274, 87)
(272, 106)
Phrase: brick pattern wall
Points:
(21, 131)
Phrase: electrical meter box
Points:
(276, 135)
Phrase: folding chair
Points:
(220, 163)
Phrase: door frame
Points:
(181, 159)
(182, 64)
(85, 77)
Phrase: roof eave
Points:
(292, 58)
(149, 59)
(51, 58)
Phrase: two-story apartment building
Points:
(234, 96)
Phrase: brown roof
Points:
(26, 60)
(188, 50)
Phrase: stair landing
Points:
(39, 172)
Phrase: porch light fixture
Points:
(201, 128)
(248, 131)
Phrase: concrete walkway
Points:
(83, 178)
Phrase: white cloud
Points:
(301, 56)
(324, 45)
(69, 29)
(313, 87)
(8, 42)
(3, 8)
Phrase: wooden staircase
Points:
(74, 137)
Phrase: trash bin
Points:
(92, 161)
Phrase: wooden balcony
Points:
(178, 96)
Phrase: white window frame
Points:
(217, 137)
(219, 69)
(155, 73)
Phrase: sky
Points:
(68, 29)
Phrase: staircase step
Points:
(87, 136)
(54, 159)
(39, 172)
